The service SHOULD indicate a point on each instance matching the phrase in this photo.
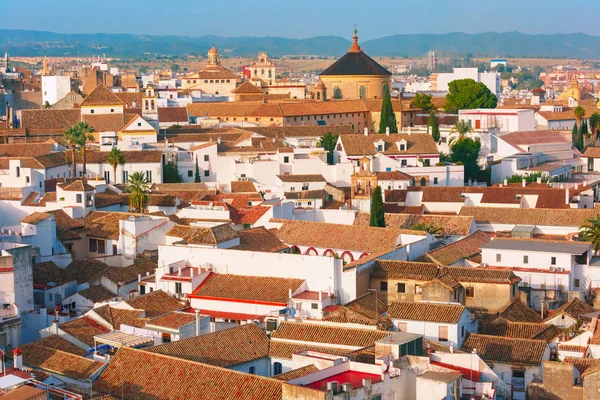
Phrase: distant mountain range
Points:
(508, 44)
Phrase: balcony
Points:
(8, 311)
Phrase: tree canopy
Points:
(465, 94)
(435, 128)
(328, 142)
(377, 210)
(466, 151)
(171, 174)
(423, 101)
(388, 117)
(590, 232)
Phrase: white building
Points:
(54, 88)
(499, 120)
(490, 79)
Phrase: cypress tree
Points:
(574, 135)
(582, 131)
(388, 118)
(584, 127)
(377, 211)
(197, 174)
(435, 129)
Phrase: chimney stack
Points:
(18, 358)
(366, 131)
(290, 293)
(539, 179)
(320, 296)
(524, 182)
(198, 330)
(505, 182)
(387, 131)
(139, 277)
(409, 130)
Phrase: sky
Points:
(301, 19)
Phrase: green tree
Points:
(579, 112)
(72, 137)
(85, 135)
(594, 124)
(529, 178)
(388, 117)
(464, 94)
(575, 135)
(460, 130)
(590, 232)
(377, 210)
(47, 105)
(430, 228)
(114, 159)
(197, 172)
(139, 192)
(580, 135)
(175, 67)
(328, 142)
(423, 101)
(466, 151)
(435, 128)
(171, 174)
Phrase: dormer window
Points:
(402, 145)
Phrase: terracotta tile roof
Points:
(101, 96)
(234, 109)
(582, 364)
(46, 272)
(299, 131)
(355, 63)
(50, 119)
(364, 310)
(243, 187)
(393, 176)
(305, 194)
(155, 303)
(430, 312)
(574, 308)
(506, 350)
(97, 294)
(178, 187)
(25, 149)
(63, 220)
(521, 139)
(302, 108)
(302, 178)
(572, 348)
(342, 237)
(260, 239)
(391, 269)
(83, 271)
(334, 335)
(105, 225)
(59, 362)
(203, 235)
(129, 98)
(105, 122)
(143, 375)
(417, 143)
(124, 275)
(56, 342)
(464, 248)
(521, 330)
(224, 348)
(172, 114)
(481, 275)
(130, 156)
(241, 287)
(448, 224)
(24, 393)
(529, 216)
(173, 320)
(247, 88)
(83, 329)
(516, 311)
(592, 152)
(35, 218)
(78, 186)
(117, 316)
(296, 373)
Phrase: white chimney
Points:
(539, 179)
(197, 311)
(366, 131)
(505, 182)
(18, 358)
(320, 296)
(567, 197)
(139, 277)
(219, 140)
(290, 293)
(524, 182)
(179, 271)
(409, 130)
(451, 348)
(430, 130)
(387, 131)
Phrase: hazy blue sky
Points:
(306, 18)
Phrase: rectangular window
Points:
(470, 291)
(402, 147)
(435, 180)
(125, 176)
(498, 257)
(206, 173)
(576, 283)
(462, 331)
(552, 260)
(177, 287)
(418, 289)
(525, 259)
(314, 306)
(518, 379)
(402, 327)
(443, 333)
(27, 179)
(96, 246)
(305, 186)
(206, 157)
(115, 249)
(149, 176)
(18, 172)
(286, 159)
(190, 173)
(401, 288)
(166, 337)
(78, 198)
(383, 286)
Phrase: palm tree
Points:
(594, 121)
(590, 232)
(115, 158)
(72, 137)
(459, 130)
(85, 131)
(139, 192)
(429, 228)
(579, 112)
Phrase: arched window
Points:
(423, 182)
(311, 251)
(277, 368)
(318, 95)
(363, 92)
(337, 93)
(295, 250)
(329, 253)
(347, 257)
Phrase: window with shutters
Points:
(402, 288)
(470, 291)
(383, 286)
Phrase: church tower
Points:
(150, 108)
(213, 56)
